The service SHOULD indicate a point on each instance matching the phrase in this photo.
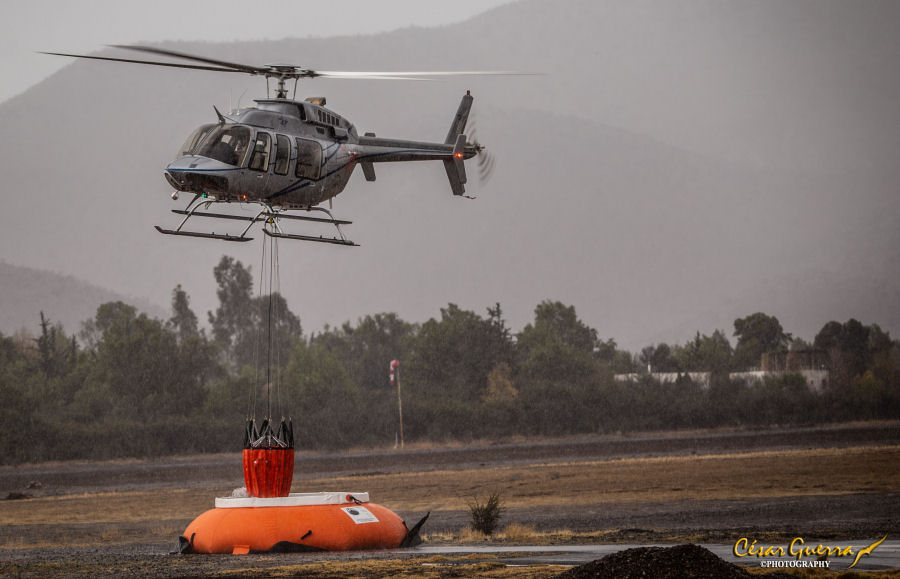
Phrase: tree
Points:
(253, 331)
(183, 320)
(757, 334)
(57, 353)
(553, 319)
(366, 349)
(854, 349)
(658, 358)
(275, 330)
(448, 370)
(326, 406)
(704, 354)
(500, 390)
(557, 345)
(559, 373)
(454, 356)
(232, 322)
(139, 367)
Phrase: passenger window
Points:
(260, 159)
(282, 154)
(309, 159)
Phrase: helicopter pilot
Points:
(230, 147)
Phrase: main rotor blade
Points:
(169, 64)
(223, 63)
(361, 76)
(412, 75)
(284, 71)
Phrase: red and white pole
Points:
(395, 380)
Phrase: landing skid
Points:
(223, 237)
(269, 216)
(266, 215)
(321, 239)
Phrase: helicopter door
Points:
(259, 161)
(282, 154)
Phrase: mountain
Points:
(680, 165)
(62, 299)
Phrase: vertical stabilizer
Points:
(459, 121)
(456, 171)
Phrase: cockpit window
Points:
(191, 143)
(226, 143)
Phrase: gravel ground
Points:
(661, 563)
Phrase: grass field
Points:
(146, 519)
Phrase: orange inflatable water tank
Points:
(298, 522)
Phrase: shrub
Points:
(485, 517)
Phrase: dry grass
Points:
(428, 568)
(724, 476)
(105, 517)
(518, 533)
(109, 507)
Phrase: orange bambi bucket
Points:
(268, 472)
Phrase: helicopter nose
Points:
(193, 175)
(175, 180)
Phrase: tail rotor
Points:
(486, 161)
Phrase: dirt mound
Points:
(658, 563)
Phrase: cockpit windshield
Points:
(226, 143)
(191, 143)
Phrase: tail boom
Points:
(453, 151)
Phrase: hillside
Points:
(62, 298)
(670, 173)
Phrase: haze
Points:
(82, 27)
(681, 164)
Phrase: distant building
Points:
(815, 379)
(701, 378)
(811, 364)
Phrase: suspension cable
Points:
(278, 318)
(256, 346)
(269, 341)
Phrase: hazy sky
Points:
(87, 25)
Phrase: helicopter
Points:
(290, 156)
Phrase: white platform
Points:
(292, 500)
